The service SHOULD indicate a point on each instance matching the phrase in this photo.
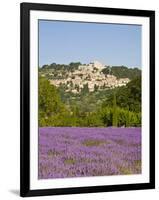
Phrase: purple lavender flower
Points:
(80, 152)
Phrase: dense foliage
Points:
(115, 107)
(71, 66)
(128, 97)
(122, 72)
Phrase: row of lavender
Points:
(79, 152)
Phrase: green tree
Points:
(115, 117)
(85, 89)
(49, 101)
(96, 88)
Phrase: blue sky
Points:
(111, 44)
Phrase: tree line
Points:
(122, 72)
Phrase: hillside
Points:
(66, 98)
(94, 76)
(122, 72)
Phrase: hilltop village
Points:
(87, 75)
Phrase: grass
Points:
(93, 142)
(125, 170)
(70, 161)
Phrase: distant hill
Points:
(69, 67)
(76, 77)
(122, 72)
(118, 71)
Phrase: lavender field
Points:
(80, 152)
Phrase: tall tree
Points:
(115, 117)
(49, 100)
